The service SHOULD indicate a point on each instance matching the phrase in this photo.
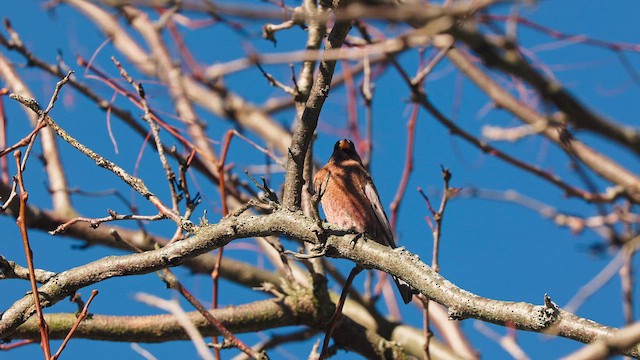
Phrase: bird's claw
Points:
(356, 238)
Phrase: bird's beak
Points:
(344, 144)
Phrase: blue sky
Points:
(495, 249)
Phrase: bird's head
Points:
(345, 150)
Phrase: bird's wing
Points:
(320, 179)
(374, 199)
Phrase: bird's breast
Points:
(345, 204)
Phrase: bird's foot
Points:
(356, 238)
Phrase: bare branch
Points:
(135, 183)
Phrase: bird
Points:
(350, 199)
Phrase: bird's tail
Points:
(406, 291)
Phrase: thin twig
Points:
(338, 312)
(419, 78)
(173, 282)
(215, 273)
(569, 189)
(408, 167)
(438, 218)
(174, 308)
(169, 174)
(4, 163)
(17, 344)
(83, 315)
(21, 221)
(136, 183)
(95, 222)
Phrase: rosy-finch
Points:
(350, 200)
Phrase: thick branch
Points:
(307, 124)
(252, 317)
(113, 236)
(399, 262)
(257, 316)
(206, 239)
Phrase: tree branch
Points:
(462, 304)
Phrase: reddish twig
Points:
(215, 274)
(170, 175)
(338, 313)
(173, 282)
(183, 49)
(613, 46)
(408, 167)
(626, 280)
(4, 164)
(220, 165)
(83, 314)
(627, 277)
(569, 190)
(23, 142)
(418, 80)
(438, 217)
(22, 225)
(352, 106)
(131, 97)
(367, 95)
(7, 347)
